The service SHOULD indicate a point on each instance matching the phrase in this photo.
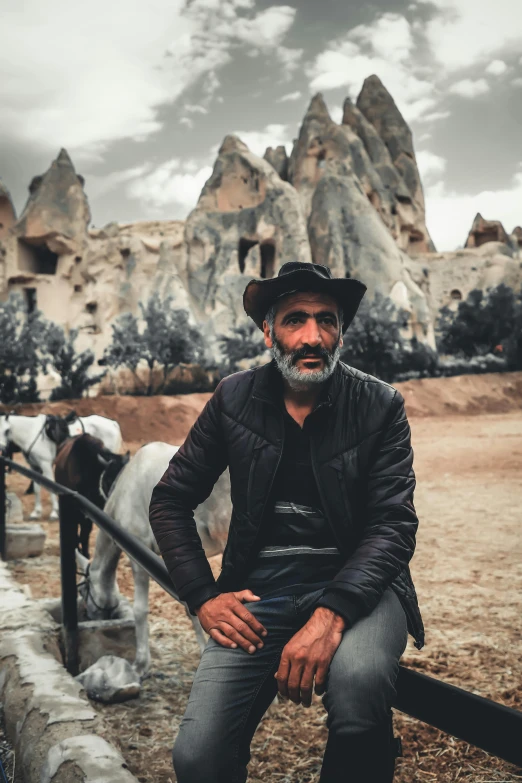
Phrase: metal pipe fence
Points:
(481, 722)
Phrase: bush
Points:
(245, 342)
(73, 368)
(374, 344)
(22, 336)
(485, 323)
(165, 341)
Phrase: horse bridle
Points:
(87, 582)
(100, 483)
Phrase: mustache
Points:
(307, 352)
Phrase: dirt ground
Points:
(468, 573)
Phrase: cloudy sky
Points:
(142, 93)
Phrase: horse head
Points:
(98, 605)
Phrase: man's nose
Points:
(311, 334)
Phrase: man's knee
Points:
(200, 759)
(360, 695)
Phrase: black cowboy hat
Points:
(296, 276)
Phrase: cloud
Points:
(496, 68)
(272, 136)
(389, 37)
(517, 82)
(466, 32)
(384, 48)
(173, 183)
(290, 59)
(187, 122)
(469, 88)
(434, 116)
(290, 96)
(97, 185)
(449, 215)
(83, 84)
(430, 165)
(195, 109)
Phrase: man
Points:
(315, 590)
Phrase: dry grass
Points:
(468, 572)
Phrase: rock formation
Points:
(483, 231)
(7, 211)
(247, 223)
(447, 278)
(379, 108)
(278, 159)
(351, 216)
(44, 249)
(517, 235)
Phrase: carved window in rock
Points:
(267, 250)
(267, 254)
(31, 300)
(245, 246)
(36, 258)
(456, 295)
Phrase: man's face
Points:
(306, 338)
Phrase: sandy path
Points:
(468, 573)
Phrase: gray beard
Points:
(297, 380)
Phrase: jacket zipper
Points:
(256, 537)
(314, 470)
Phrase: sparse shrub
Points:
(164, 340)
(374, 344)
(72, 367)
(22, 335)
(245, 342)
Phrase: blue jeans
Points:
(232, 689)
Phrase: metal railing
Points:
(481, 722)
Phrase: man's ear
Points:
(341, 342)
(266, 334)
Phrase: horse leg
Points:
(141, 619)
(85, 531)
(47, 471)
(36, 513)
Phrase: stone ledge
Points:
(24, 540)
(56, 733)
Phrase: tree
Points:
(484, 323)
(22, 334)
(245, 342)
(72, 367)
(165, 340)
(374, 343)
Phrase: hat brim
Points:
(260, 295)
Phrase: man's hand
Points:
(308, 655)
(229, 623)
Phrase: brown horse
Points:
(85, 465)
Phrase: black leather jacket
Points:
(362, 460)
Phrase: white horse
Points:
(128, 504)
(28, 433)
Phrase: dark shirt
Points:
(298, 550)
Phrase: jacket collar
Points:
(268, 386)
